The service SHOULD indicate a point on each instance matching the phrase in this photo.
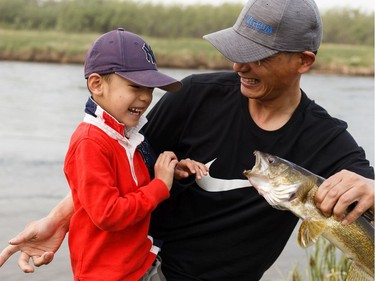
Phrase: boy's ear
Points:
(95, 84)
(307, 59)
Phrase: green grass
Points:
(44, 46)
(350, 55)
(52, 46)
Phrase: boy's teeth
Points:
(135, 110)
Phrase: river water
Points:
(41, 104)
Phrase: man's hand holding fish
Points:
(341, 190)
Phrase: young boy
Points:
(112, 191)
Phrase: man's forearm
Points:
(63, 211)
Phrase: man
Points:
(219, 228)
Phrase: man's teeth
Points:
(250, 80)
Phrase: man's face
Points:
(271, 77)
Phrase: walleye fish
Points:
(287, 186)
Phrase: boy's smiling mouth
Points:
(136, 111)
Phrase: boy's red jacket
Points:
(108, 235)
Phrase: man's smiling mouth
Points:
(250, 80)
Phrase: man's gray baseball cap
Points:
(266, 27)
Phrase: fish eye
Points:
(271, 160)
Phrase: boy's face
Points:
(124, 100)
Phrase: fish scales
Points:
(287, 186)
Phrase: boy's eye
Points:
(135, 86)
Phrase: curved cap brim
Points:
(238, 48)
(152, 79)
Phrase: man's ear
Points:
(307, 59)
(95, 84)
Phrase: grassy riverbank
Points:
(59, 47)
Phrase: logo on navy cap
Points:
(149, 53)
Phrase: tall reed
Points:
(325, 263)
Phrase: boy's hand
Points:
(165, 166)
(188, 167)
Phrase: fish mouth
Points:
(260, 165)
(261, 178)
(258, 174)
(258, 161)
(259, 170)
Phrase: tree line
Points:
(343, 26)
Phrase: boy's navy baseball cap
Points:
(129, 56)
(266, 27)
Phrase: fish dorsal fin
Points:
(355, 273)
(309, 232)
(303, 191)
